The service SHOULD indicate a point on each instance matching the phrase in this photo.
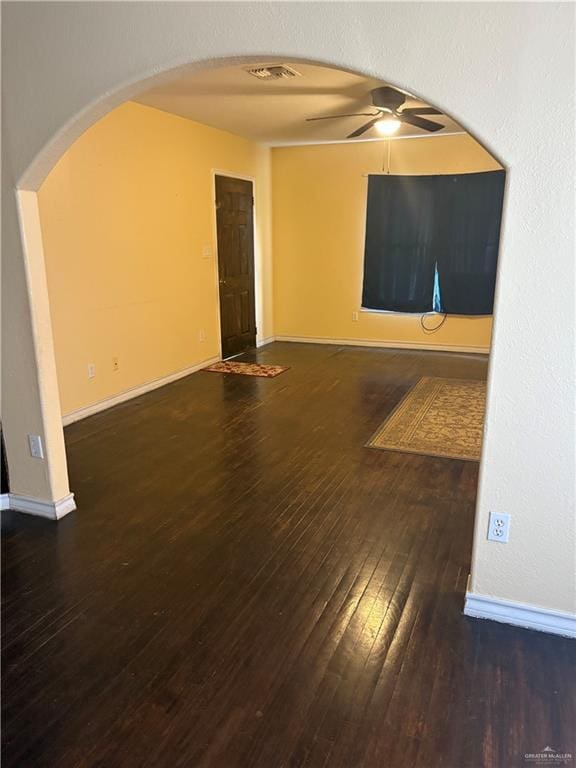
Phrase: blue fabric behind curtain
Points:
(432, 242)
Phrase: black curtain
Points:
(467, 237)
(398, 257)
(414, 223)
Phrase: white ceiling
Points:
(274, 112)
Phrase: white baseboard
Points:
(386, 344)
(4, 501)
(520, 614)
(263, 342)
(122, 397)
(53, 510)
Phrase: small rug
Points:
(438, 417)
(248, 369)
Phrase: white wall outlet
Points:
(499, 527)
(201, 335)
(36, 449)
(91, 370)
(355, 317)
(115, 364)
(206, 251)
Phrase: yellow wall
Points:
(319, 206)
(125, 215)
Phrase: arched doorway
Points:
(347, 90)
(146, 46)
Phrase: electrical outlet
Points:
(201, 335)
(35, 443)
(115, 364)
(499, 527)
(206, 251)
(355, 317)
(91, 370)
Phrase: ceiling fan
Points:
(388, 117)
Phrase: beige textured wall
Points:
(64, 65)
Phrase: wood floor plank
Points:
(245, 585)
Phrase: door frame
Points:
(258, 293)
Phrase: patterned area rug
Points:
(438, 417)
(248, 369)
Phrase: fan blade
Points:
(332, 117)
(421, 111)
(364, 128)
(420, 122)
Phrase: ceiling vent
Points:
(273, 72)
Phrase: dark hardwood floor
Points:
(245, 585)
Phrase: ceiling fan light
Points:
(387, 126)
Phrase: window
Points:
(432, 243)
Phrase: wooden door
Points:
(235, 232)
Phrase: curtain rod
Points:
(452, 173)
(280, 145)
